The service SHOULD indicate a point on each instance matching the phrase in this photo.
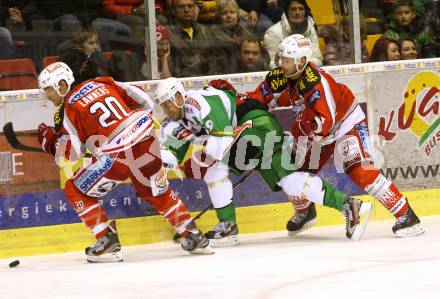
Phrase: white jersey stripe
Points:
(77, 147)
(330, 100)
(88, 209)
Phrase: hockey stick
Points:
(11, 137)
(177, 236)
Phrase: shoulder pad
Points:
(309, 79)
(276, 81)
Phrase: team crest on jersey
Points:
(315, 96)
(83, 91)
(298, 107)
(209, 125)
(309, 80)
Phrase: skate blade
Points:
(365, 211)
(111, 257)
(306, 226)
(412, 231)
(224, 242)
(206, 250)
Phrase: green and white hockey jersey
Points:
(209, 119)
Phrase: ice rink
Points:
(321, 263)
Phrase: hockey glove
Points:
(222, 85)
(47, 137)
(307, 124)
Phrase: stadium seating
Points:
(18, 74)
(49, 59)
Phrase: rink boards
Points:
(400, 99)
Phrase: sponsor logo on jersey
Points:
(133, 129)
(193, 102)
(315, 96)
(310, 75)
(363, 133)
(90, 176)
(82, 92)
(264, 89)
(308, 80)
(276, 81)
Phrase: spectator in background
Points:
(297, 18)
(128, 12)
(433, 20)
(408, 49)
(229, 34)
(259, 14)
(407, 23)
(163, 54)
(16, 12)
(206, 11)
(337, 43)
(193, 51)
(61, 14)
(419, 5)
(251, 57)
(385, 49)
(121, 66)
(6, 44)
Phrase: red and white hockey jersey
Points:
(105, 116)
(333, 102)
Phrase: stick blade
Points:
(11, 137)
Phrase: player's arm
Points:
(175, 138)
(324, 106)
(69, 144)
(271, 88)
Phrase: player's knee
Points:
(221, 192)
(363, 176)
(70, 190)
(294, 183)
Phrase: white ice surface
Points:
(321, 263)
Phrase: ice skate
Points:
(224, 234)
(195, 242)
(107, 249)
(353, 209)
(408, 225)
(302, 221)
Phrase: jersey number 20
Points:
(109, 111)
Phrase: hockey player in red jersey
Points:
(327, 113)
(112, 121)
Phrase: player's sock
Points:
(333, 198)
(226, 213)
(172, 209)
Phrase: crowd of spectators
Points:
(208, 37)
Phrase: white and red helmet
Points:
(53, 74)
(167, 89)
(295, 46)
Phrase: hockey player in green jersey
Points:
(240, 135)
